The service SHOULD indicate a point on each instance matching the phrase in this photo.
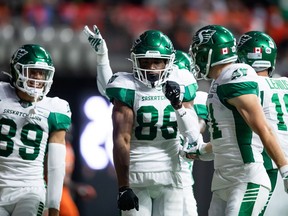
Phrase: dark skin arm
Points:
(123, 118)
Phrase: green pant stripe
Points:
(40, 209)
(273, 175)
(249, 199)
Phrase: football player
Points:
(259, 50)
(146, 138)
(31, 124)
(237, 126)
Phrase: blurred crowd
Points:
(57, 25)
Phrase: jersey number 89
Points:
(9, 134)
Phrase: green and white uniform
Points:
(274, 99)
(237, 149)
(23, 141)
(155, 141)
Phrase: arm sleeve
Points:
(188, 123)
(104, 73)
(56, 172)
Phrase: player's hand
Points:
(95, 40)
(174, 93)
(127, 199)
(194, 150)
(284, 173)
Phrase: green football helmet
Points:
(212, 45)
(258, 50)
(26, 61)
(184, 61)
(152, 44)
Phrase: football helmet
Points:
(184, 61)
(25, 62)
(258, 50)
(152, 44)
(212, 45)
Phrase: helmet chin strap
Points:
(33, 111)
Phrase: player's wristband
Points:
(284, 171)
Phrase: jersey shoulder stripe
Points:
(122, 87)
(187, 79)
(236, 80)
(59, 117)
(200, 105)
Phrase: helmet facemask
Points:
(32, 70)
(152, 78)
(155, 46)
(28, 82)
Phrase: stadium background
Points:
(57, 25)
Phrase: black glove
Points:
(173, 93)
(127, 199)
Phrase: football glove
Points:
(284, 173)
(197, 147)
(127, 199)
(98, 44)
(174, 93)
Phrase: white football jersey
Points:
(237, 149)
(155, 137)
(274, 99)
(24, 130)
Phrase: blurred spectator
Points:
(126, 18)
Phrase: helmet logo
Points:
(136, 42)
(19, 54)
(243, 40)
(203, 36)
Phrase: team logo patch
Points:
(239, 73)
(112, 78)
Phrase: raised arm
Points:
(98, 44)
